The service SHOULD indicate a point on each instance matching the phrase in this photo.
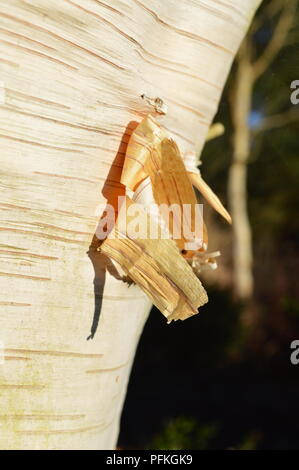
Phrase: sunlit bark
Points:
(73, 72)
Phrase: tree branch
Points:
(268, 12)
(278, 38)
(278, 120)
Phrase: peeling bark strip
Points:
(158, 268)
(172, 229)
(156, 265)
(152, 154)
(72, 73)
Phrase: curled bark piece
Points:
(156, 265)
(157, 103)
(150, 153)
(209, 195)
(161, 181)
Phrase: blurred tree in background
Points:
(261, 144)
(223, 379)
(253, 60)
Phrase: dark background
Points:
(223, 379)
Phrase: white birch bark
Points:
(72, 73)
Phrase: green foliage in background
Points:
(184, 433)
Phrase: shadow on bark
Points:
(112, 190)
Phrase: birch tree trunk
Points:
(72, 73)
